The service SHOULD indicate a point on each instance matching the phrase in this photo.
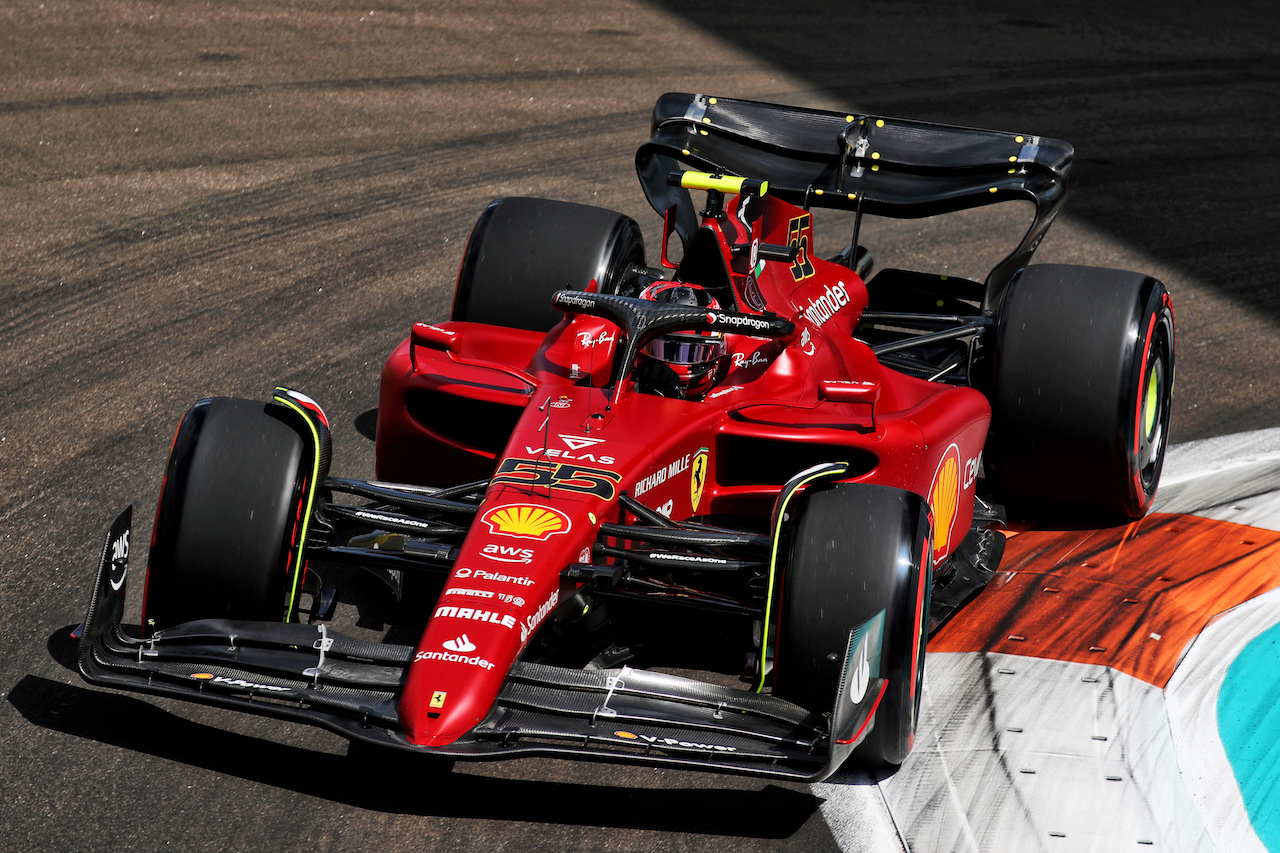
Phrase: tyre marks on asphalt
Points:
(1129, 597)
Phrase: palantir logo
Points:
(459, 644)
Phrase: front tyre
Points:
(228, 516)
(859, 553)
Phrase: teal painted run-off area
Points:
(1249, 725)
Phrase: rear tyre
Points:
(857, 551)
(229, 508)
(1081, 384)
(522, 250)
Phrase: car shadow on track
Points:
(366, 423)
(773, 811)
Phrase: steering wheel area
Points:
(640, 321)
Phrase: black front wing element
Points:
(312, 675)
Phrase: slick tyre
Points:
(522, 250)
(228, 513)
(1081, 389)
(858, 551)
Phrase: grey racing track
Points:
(209, 198)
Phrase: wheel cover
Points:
(1153, 415)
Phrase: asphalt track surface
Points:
(209, 198)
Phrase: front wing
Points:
(350, 686)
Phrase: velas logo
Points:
(579, 442)
(944, 498)
(526, 521)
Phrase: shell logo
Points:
(944, 498)
(627, 735)
(526, 521)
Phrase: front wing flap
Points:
(310, 674)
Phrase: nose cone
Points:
(457, 672)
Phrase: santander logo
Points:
(459, 644)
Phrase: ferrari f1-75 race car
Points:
(770, 470)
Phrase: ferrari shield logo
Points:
(437, 699)
(697, 477)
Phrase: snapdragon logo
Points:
(575, 299)
(739, 320)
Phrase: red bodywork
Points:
(464, 401)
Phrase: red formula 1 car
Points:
(754, 463)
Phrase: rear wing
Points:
(862, 163)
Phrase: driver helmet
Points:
(692, 356)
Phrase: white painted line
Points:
(1192, 700)
(1219, 472)
(1020, 753)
